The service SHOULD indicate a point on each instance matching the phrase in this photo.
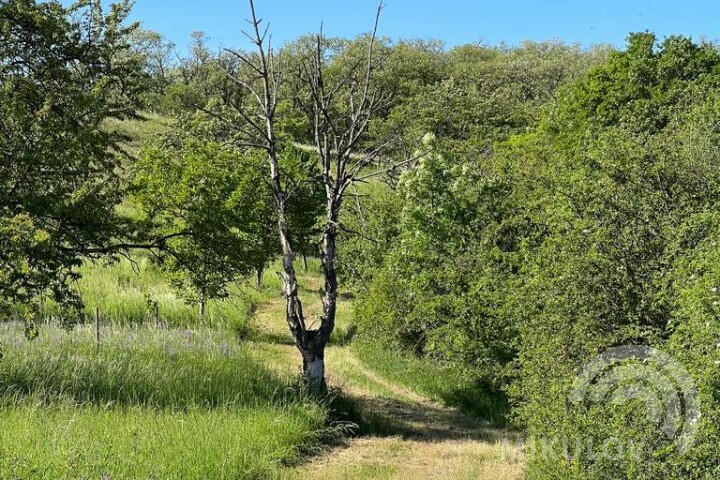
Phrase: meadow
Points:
(515, 238)
(213, 397)
(184, 398)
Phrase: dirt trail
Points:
(425, 440)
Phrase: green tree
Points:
(446, 275)
(208, 200)
(63, 72)
(156, 51)
(306, 195)
(614, 178)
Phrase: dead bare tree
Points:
(340, 112)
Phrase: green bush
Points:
(623, 174)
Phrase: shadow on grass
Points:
(347, 296)
(271, 337)
(379, 416)
(479, 399)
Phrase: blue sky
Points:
(453, 21)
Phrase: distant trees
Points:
(474, 94)
(157, 54)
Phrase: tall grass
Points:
(125, 293)
(138, 132)
(146, 404)
(139, 366)
(178, 398)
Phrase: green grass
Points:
(146, 404)
(138, 132)
(141, 366)
(124, 293)
(441, 382)
(132, 443)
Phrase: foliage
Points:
(595, 228)
(480, 94)
(306, 194)
(156, 54)
(447, 270)
(616, 176)
(212, 203)
(63, 73)
(203, 197)
(371, 220)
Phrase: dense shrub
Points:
(624, 172)
(594, 229)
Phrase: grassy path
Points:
(420, 439)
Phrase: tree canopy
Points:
(64, 71)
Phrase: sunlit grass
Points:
(126, 292)
(138, 131)
(136, 366)
(61, 442)
(444, 383)
(146, 403)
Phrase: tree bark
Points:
(337, 136)
(310, 343)
(314, 342)
(304, 260)
(259, 276)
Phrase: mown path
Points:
(423, 439)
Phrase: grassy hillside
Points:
(138, 132)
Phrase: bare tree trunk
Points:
(313, 346)
(310, 343)
(259, 276)
(338, 135)
(304, 260)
